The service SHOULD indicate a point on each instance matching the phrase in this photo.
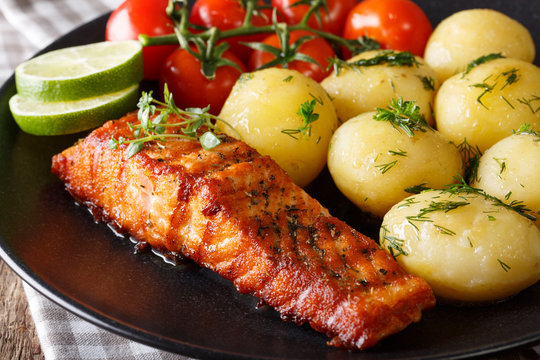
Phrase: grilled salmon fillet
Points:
(236, 212)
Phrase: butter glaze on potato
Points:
(469, 34)
(470, 252)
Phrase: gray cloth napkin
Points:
(27, 26)
(64, 336)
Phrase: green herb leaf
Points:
(480, 60)
(403, 115)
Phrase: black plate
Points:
(57, 248)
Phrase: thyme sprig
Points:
(403, 115)
(153, 123)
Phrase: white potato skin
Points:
(471, 254)
(264, 103)
(469, 34)
(510, 170)
(462, 112)
(362, 146)
(358, 90)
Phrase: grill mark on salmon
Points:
(236, 212)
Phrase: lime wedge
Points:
(66, 117)
(81, 71)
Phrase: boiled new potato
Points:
(486, 104)
(264, 110)
(510, 170)
(372, 163)
(469, 249)
(358, 89)
(469, 34)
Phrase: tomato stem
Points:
(179, 12)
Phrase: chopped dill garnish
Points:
(470, 156)
(528, 103)
(404, 115)
(463, 188)
(308, 115)
(417, 189)
(385, 167)
(383, 57)
(395, 245)
(504, 266)
(428, 82)
(502, 165)
(481, 60)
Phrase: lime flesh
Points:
(81, 72)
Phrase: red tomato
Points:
(318, 49)
(190, 88)
(331, 22)
(395, 24)
(227, 15)
(134, 17)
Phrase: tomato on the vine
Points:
(190, 88)
(317, 48)
(227, 15)
(395, 24)
(331, 20)
(135, 17)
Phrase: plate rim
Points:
(20, 268)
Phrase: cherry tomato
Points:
(227, 15)
(331, 21)
(317, 48)
(134, 17)
(395, 24)
(190, 88)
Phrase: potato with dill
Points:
(487, 101)
(470, 247)
(369, 80)
(285, 115)
(510, 170)
(469, 34)
(376, 157)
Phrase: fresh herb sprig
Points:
(470, 156)
(383, 57)
(403, 115)
(480, 60)
(153, 118)
(462, 188)
(308, 115)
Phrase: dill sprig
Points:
(403, 115)
(383, 57)
(308, 115)
(526, 129)
(479, 61)
(152, 126)
(462, 188)
(470, 156)
(392, 243)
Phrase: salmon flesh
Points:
(237, 213)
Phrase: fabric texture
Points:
(64, 336)
(27, 26)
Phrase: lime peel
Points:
(58, 118)
(81, 72)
